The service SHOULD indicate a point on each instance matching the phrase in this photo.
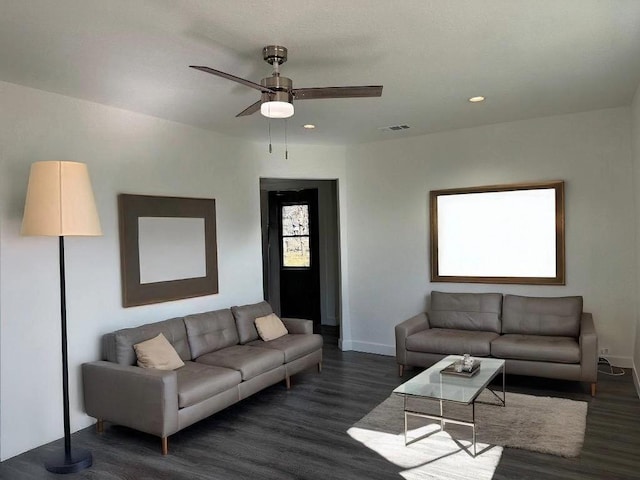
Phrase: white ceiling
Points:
(529, 58)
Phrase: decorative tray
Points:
(451, 369)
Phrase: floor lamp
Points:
(60, 203)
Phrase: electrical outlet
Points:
(604, 351)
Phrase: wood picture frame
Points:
(133, 208)
(452, 243)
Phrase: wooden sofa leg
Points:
(400, 369)
(593, 389)
(287, 380)
(319, 367)
(100, 426)
(165, 445)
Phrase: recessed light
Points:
(309, 126)
(477, 99)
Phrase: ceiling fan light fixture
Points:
(277, 92)
(277, 109)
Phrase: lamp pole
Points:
(65, 361)
(71, 461)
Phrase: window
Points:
(295, 236)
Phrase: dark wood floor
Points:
(301, 434)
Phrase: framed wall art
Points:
(498, 234)
(168, 248)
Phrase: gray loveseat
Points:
(538, 336)
(225, 361)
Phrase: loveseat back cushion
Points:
(210, 331)
(554, 316)
(245, 316)
(118, 346)
(466, 311)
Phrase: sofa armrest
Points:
(588, 349)
(298, 325)
(140, 398)
(403, 330)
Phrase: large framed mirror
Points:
(498, 234)
(168, 248)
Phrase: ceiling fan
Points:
(278, 92)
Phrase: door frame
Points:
(330, 273)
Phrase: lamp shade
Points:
(60, 201)
(277, 109)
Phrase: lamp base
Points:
(78, 459)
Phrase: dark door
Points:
(296, 216)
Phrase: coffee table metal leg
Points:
(473, 427)
(502, 399)
(405, 429)
(504, 394)
(405, 420)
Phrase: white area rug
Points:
(542, 424)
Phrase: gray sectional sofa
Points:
(538, 336)
(224, 359)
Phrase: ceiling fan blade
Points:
(250, 109)
(233, 78)
(337, 92)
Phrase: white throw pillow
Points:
(157, 353)
(270, 327)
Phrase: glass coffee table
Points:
(431, 384)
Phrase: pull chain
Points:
(269, 123)
(286, 145)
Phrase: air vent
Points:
(394, 128)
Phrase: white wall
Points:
(635, 137)
(126, 153)
(389, 183)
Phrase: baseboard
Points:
(368, 347)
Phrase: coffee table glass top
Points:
(432, 384)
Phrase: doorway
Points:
(300, 250)
(293, 216)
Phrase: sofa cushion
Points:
(466, 311)
(118, 346)
(555, 316)
(249, 361)
(157, 353)
(451, 342)
(197, 382)
(270, 327)
(293, 345)
(245, 317)
(210, 331)
(536, 348)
